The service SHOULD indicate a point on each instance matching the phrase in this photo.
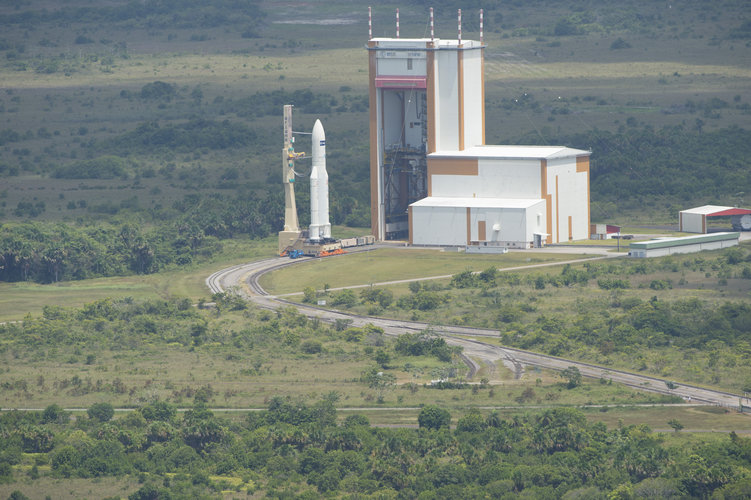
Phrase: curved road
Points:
(243, 280)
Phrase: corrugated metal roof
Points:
(436, 201)
(420, 43)
(716, 211)
(512, 152)
(705, 210)
(683, 240)
(731, 211)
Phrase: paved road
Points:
(243, 280)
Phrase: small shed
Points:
(603, 231)
(694, 220)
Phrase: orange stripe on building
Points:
(548, 200)
(570, 228)
(557, 214)
(549, 216)
(448, 166)
(469, 226)
(582, 165)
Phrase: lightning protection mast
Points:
(291, 231)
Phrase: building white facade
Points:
(509, 194)
(464, 221)
(433, 179)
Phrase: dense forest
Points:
(292, 450)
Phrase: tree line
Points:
(681, 163)
(148, 14)
(294, 450)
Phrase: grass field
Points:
(706, 419)
(385, 265)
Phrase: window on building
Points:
(409, 63)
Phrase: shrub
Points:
(309, 295)
(102, 412)
(573, 377)
(346, 298)
(159, 410)
(311, 347)
(433, 417)
(53, 414)
(620, 43)
(356, 421)
(471, 422)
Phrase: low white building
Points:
(505, 195)
(473, 221)
(685, 244)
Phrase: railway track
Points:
(243, 279)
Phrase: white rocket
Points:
(320, 228)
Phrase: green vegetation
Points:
(684, 316)
(624, 160)
(157, 354)
(293, 448)
(387, 264)
(139, 152)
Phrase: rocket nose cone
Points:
(318, 133)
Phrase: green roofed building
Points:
(686, 244)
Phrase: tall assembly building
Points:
(433, 179)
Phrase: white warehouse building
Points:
(513, 196)
(434, 181)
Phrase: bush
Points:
(6, 472)
(356, 421)
(346, 298)
(102, 412)
(433, 417)
(620, 43)
(53, 414)
(471, 422)
(573, 377)
(311, 347)
(158, 90)
(309, 295)
(159, 411)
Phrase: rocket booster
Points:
(320, 227)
